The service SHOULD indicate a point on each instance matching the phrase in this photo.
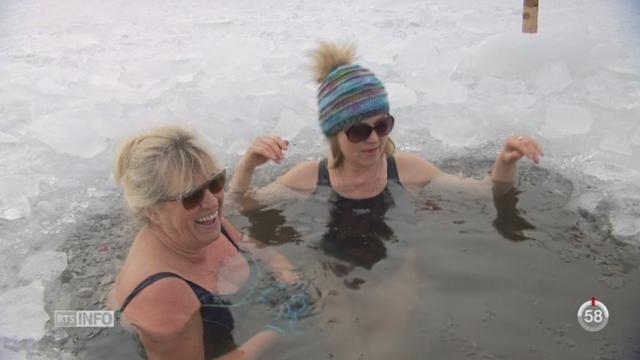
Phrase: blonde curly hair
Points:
(164, 161)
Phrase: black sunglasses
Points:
(193, 198)
(361, 132)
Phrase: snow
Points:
(626, 226)
(456, 132)
(400, 95)
(22, 314)
(561, 121)
(635, 136)
(44, 266)
(616, 144)
(497, 95)
(68, 133)
(613, 91)
(290, 124)
(15, 193)
(551, 78)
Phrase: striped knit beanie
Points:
(348, 92)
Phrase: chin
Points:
(210, 236)
(373, 159)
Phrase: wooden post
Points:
(530, 16)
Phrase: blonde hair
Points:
(159, 163)
(337, 157)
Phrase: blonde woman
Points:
(187, 265)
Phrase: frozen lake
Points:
(78, 76)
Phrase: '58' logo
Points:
(593, 315)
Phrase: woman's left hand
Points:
(518, 146)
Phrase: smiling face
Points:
(195, 227)
(367, 152)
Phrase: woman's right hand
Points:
(265, 148)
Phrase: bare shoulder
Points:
(163, 308)
(302, 177)
(415, 170)
(166, 304)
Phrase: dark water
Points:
(450, 275)
(461, 275)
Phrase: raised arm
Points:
(506, 165)
(297, 182)
(263, 149)
(416, 172)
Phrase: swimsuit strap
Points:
(392, 169)
(148, 281)
(224, 231)
(199, 290)
(323, 172)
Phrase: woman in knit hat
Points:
(355, 116)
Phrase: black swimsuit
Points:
(356, 231)
(217, 321)
(392, 176)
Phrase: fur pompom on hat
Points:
(347, 92)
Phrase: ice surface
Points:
(11, 355)
(77, 77)
(69, 133)
(613, 91)
(442, 91)
(400, 95)
(14, 196)
(635, 136)
(13, 111)
(6, 354)
(615, 58)
(427, 68)
(611, 172)
(22, 314)
(504, 56)
(290, 124)
(43, 266)
(45, 208)
(514, 55)
(456, 131)
(550, 78)
(589, 202)
(484, 21)
(493, 94)
(626, 226)
(8, 139)
(385, 54)
(565, 120)
(616, 144)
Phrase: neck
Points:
(192, 254)
(351, 173)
